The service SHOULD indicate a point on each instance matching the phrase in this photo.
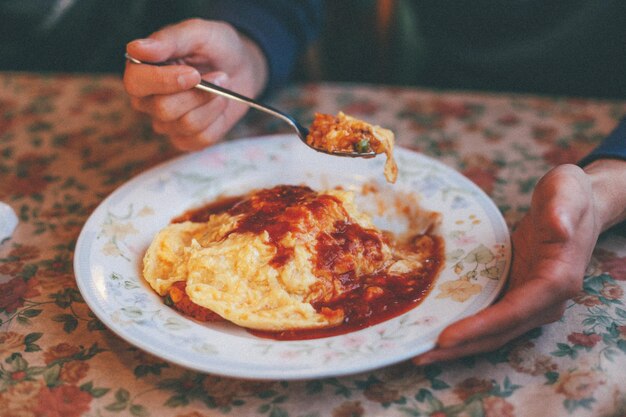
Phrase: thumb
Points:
(151, 50)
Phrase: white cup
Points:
(8, 221)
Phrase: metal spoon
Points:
(301, 131)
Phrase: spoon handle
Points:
(224, 92)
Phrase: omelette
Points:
(283, 258)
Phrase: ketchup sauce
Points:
(366, 299)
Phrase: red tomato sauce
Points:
(366, 300)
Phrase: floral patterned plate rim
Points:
(110, 249)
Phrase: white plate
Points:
(110, 249)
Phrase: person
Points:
(571, 204)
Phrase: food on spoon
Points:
(343, 133)
(288, 258)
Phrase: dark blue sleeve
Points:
(282, 28)
(613, 147)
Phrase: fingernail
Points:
(422, 360)
(447, 343)
(145, 42)
(188, 78)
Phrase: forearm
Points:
(608, 181)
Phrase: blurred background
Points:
(556, 47)
(560, 47)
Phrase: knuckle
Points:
(571, 291)
(557, 313)
(223, 32)
(158, 127)
(136, 103)
(189, 124)
(565, 285)
(188, 143)
(194, 22)
(217, 129)
(553, 314)
(221, 104)
(178, 142)
(130, 85)
(219, 26)
(161, 110)
(163, 78)
(226, 28)
(208, 137)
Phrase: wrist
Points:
(608, 184)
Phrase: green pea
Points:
(168, 301)
(362, 146)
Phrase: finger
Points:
(151, 50)
(488, 343)
(210, 136)
(515, 308)
(195, 121)
(170, 107)
(207, 138)
(216, 131)
(145, 80)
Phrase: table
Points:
(67, 141)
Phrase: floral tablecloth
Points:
(67, 141)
